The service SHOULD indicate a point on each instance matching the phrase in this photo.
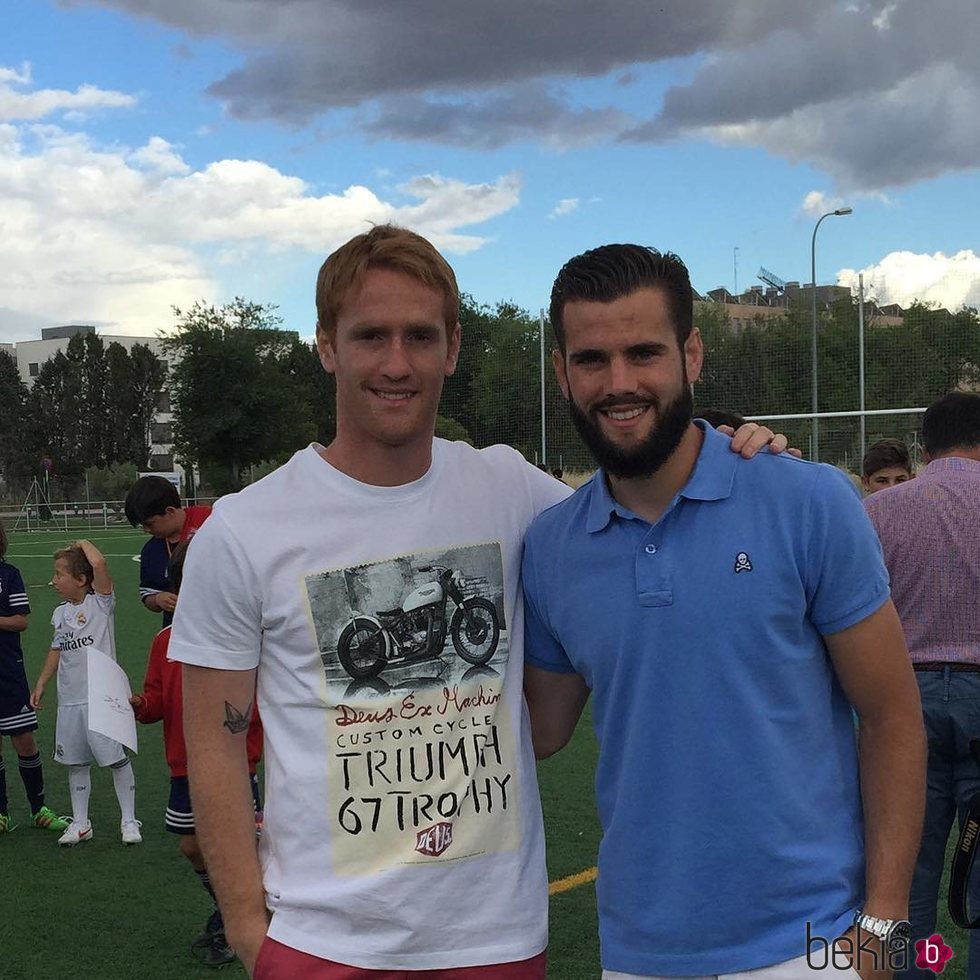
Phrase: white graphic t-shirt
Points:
(77, 628)
(402, 821)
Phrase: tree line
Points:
(245, 393)
(90, 408)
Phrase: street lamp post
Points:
(813, 329)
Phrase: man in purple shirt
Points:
(930, 534)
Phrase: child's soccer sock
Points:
(3, 788)
(205, 880)
(124, 780)
(80, 788)
(32, 776)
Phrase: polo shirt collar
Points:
(711, 479)
(951, 463)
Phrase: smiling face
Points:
(626, 379)
(391, 351)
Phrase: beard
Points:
(646, 458)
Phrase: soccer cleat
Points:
(75, 834)
(131, 831)
(5, 827)
(47, 819)
(218, 952)
(212, 927)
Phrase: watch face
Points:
(900, 934)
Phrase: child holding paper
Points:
(83, 621)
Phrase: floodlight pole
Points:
(813, 329)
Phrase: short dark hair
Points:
(717, 416)
(175, 567)
(611, 272)
(148, 497)
(950, 422)
(886, 453)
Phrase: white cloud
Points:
(118, 235)
(817, 203)
(16, 105)
(565, 206)
(950, 281)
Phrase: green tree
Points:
(148, 377)
(233, 405)
(17, 462)
(54, 419)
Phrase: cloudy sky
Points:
(153, 152)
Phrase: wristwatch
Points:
(896, 934)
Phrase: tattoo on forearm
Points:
(237, 721)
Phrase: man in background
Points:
(929, 534)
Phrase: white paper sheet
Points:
(109, 710)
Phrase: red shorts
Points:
(278, 962)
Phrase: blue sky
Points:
(153, 152)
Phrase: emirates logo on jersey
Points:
(434, 840)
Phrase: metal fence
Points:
(71, 517)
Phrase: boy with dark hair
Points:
(162, 700)
(153, 504)
(886, 464)
(18, 720)
(83, 622)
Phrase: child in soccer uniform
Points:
(154, 505)
(81, 577)
(18, 720)
(162, 699)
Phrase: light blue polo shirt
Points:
(727, 783)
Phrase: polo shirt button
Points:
(650, 549)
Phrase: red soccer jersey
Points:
(162, 698)
(194, 517)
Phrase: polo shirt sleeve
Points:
(541, 646)
(846, 579)
(218, 619)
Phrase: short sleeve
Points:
(218, 619)
(16, 593)
(846, 578)
(106, 603)
(541, 647)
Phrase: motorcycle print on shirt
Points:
(422, 761)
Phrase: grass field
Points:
(106, 912)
